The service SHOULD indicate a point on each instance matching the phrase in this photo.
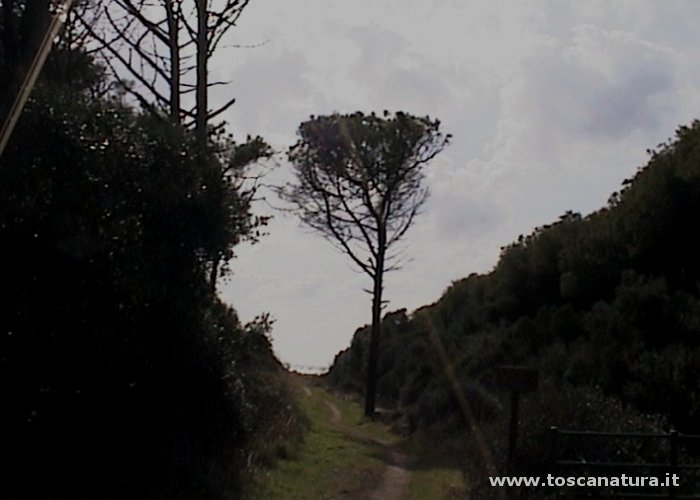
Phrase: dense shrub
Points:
(122, 375)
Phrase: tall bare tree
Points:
(359, 183)
(160, 51)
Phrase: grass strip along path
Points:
(346, 456)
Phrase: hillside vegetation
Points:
(606, 307)
(123, 374)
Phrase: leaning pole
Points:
(32, 74)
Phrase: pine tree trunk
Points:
(202, 57)
(373, 358)
(174, 42)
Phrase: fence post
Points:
(673, 460)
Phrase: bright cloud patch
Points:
(551, 104)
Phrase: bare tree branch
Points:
(114, 52)
(135, 11)
(223, 108)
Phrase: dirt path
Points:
(336, 416)
(345, 456)
(394, 481)
(395, 478)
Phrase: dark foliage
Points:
(122, 375)
(606, 307)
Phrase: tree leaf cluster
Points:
(360, 179)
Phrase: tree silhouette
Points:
(165, 48)
(159, 53)
(359, 182)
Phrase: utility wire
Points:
(32, 74)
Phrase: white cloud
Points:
(551, 104)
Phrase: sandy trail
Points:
(335, 412)
(394, 481)
(395, 478)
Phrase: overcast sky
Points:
(552, 104)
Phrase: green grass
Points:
(435, 483)
(347, 459)
(332, 461)
(436, 467)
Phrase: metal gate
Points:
(678, 450)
